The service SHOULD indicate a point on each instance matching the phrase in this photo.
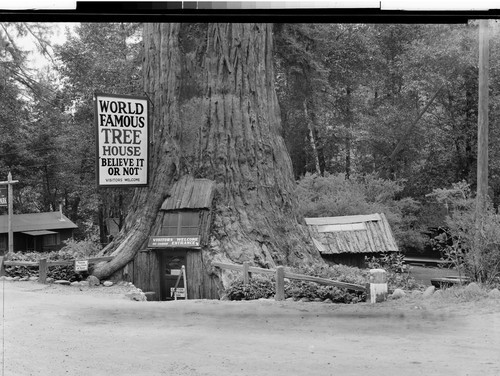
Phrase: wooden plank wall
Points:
(204, 225)
(144, 272)
(201, 285)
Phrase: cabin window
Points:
(181, 223)
(50, 240)
(3, 242)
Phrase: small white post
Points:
(185, 282)
(377, 288)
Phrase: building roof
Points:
(190, 193)
(36, 222)
(352, 234)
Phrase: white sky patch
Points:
(39, 4)
(37, 60)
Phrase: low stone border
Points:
(134, 293)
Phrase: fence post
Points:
(377, 288)
(280, 283)
(42, 271)
(246, 275)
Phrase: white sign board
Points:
(3, 196)
(179, 293)
(81, 265)
(122, 140)
(174, 241)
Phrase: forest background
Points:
(376, 118)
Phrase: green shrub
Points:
(342, 273)
(398, 272)
(471, 242)
(300, 289)
(73, 250)
(259, 287)
(81, 249)
(263, 286)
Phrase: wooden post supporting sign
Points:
(10, 201)
(42, 271)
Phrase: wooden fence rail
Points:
(43, 265)
(281, 274)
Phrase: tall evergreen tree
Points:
(226, 72)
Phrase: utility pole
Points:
(10, 201)
(482, 133)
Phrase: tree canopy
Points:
(394, 101)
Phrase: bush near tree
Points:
(263, 286)
(470, 241)
(73, 250)
(398, 272)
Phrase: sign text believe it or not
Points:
(122, 140)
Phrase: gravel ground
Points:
(76, 330)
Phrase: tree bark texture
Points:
(482, 133)
(161, 83)
(312, 138)
(216, 116)
(348, 116)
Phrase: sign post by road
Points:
(10, 205)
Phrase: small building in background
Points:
(349, 239)
(181, 238)
(36, 232)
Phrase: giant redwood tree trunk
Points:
(216, 116)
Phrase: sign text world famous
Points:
(122, 134)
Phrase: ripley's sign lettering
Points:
(122, 140)
(174, 241)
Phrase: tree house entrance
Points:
(171, 273)
(180, 238)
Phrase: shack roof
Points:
(190, 193)
(36, 222)
(352, 234)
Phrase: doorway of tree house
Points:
(171, 264)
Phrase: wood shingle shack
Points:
(347, 240)
(36, 231)
(181, 239)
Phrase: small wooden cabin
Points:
(181, 239)
(36, 232)
(347, 240)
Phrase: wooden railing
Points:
(281, 274)
(43, 265)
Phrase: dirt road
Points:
(67, 330)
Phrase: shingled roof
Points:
(352, 234)
(35, 222)
(190, 193)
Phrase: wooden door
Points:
(171, 271)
